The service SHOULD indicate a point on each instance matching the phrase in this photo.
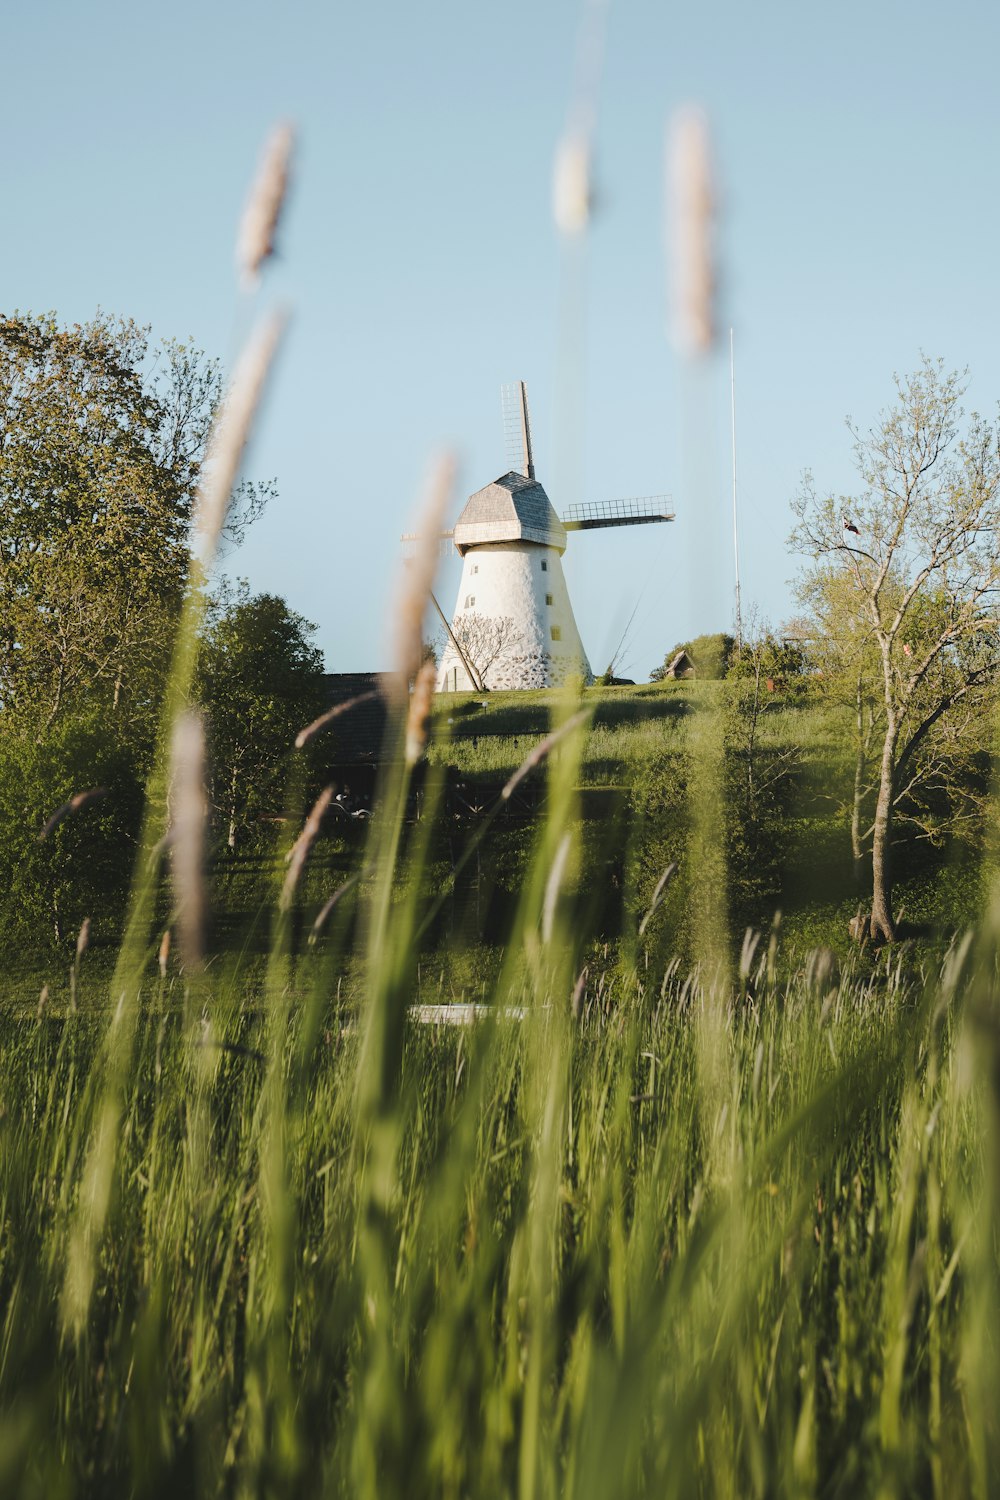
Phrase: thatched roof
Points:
(681, 666)
(512, 508)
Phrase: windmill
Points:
(513, 625)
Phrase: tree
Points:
(709, 653)
(762, 668)
(102, 438)
(487, 640)
(847, 672)
(260, 680)
(908, 570)
(81, 867)
(759, 774)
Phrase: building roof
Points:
(511, 509)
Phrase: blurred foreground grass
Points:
(648, 1227)
(561, 1257)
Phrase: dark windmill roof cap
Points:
(511, 509)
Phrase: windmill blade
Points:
(646, 510)
(517, 428)
(414, 541)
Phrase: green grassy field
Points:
(631, 815)
(635, 816)
(688, 1212)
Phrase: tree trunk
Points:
(232, 811)
(118, 669)
(57, 700)
(883, 925)
(857, 849)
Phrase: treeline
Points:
(899, 626)
(102, 443)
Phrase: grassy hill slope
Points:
(633, 803)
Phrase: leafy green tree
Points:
(764, 672)
(846, 667)
(261, 680)
(904, 580)
(102, 439)
(82, 866)
(710, 655)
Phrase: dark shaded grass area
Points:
(632, 817)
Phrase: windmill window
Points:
(470, 601)
(556, 633)
(549, 599)
(475, 568)
(545, 566)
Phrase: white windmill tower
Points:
(513, 625)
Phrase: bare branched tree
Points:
(904, 585)
(488, 641)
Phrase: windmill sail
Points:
(644, 511)
(517, 428)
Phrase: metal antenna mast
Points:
(736, 535)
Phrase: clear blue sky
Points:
(856, 147)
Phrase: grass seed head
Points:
(326, 719)
(299, 852)
(76, 803)
(329, 905)
(572, 188)
(552, 888)
(83, 938)
(419, 572)
(658, 895)
(542, 749)
(690, 230)
(579, 990)
(231, 432)
(258, 228)
(419, 712)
